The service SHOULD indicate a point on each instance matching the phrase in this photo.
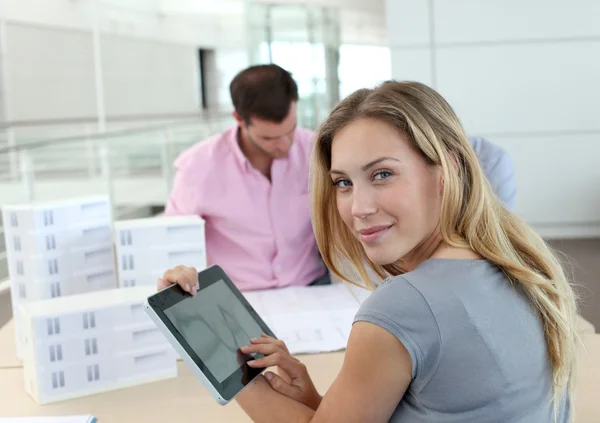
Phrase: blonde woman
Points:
(475, 321)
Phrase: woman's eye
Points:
(382, 174)
(342, 183)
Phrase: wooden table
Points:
(181, 400)
(184, 399)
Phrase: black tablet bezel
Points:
(174, 294)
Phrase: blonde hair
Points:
(471, 216)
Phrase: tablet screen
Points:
(215, 325)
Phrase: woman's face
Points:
(386, 193)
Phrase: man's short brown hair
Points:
(263, 91)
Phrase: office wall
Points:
(149, 77)
(524, 74)
(149, 54)
(50, 73)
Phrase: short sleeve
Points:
(398, 307)
(189, 183)
(182, 199)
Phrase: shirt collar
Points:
(236, 149)
(233, 138)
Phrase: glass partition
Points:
(303, 39)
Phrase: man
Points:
(250, 183)
(498, 168)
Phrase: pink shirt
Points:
(258, 231)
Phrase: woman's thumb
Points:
(280, 385)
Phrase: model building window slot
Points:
(91, 346)
(93, 372)
(182, 254)
(14, 221)
(50, 242)
(89, 320)
(48, 218)
(180, 228)
(100, 232)
(149, 361)
(53, 267)
(90, 255)
(96, 210)
(17, 243)
(94, 278)
(55, 290)
(145, 335)
(58, 379)
(53, 326)
(125, 237)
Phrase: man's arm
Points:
(504, 182)
(498, 168)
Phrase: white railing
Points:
(92, 157)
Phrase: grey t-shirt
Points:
(476, 343)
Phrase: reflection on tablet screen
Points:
(216, 325)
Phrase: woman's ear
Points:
(454, 159)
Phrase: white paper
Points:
(308, 319)
(67, 419)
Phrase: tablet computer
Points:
(208, 329)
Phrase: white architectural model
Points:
(58, 248)
(89, 343)
(147, 247)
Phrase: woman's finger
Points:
(162, 284)
(265, 349)
(281, 386)
(272, 360)
(292, 367)
(265, 339)
(185, 277)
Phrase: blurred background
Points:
(100, 96)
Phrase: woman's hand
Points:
(185, 277)
(294, 382)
